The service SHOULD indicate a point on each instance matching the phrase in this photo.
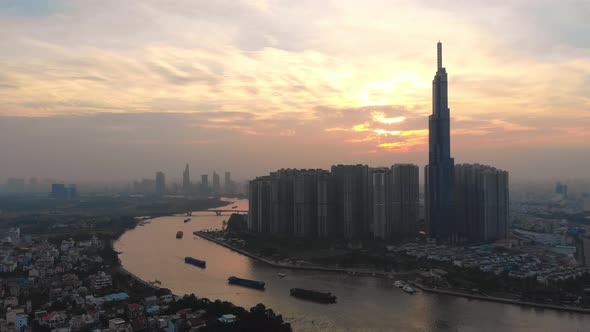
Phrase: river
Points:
(364, 303)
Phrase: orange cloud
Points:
(380, 117)
(387, 132)
(361, 127)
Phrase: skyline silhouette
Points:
(118, 91)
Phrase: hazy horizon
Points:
(114, 91)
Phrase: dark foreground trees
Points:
(258, 319)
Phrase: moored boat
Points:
(398, 283)
(187, 220)
(312, 295)
(281, 275)
(195, 262)
(179, 234)
(409, 289)
(246, 282)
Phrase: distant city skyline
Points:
(117, 91)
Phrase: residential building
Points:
(216, 184)
(482, 202)
(351, 200)
(405, 198)
(380, 198)
(160, 183)
(281, 198)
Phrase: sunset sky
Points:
(116, 90)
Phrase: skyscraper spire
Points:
(440, 169)
(439, 55)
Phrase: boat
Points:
(195, 262)
(313, 295)
(281, 275)
(179, 234)
(234, 207)
(187, 220)
(409, 289)
(398, 283)
(246, 282)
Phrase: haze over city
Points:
(111, 90)
(279, 166)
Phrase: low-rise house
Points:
(151, 300)
(101, 281)
(136, 316)
(85, 244)
(54, 318)
(119, 325)
(166, 298)
(55, 294)
(10, 302)
(96, 301)
(228, 319)
(174, 325)
(20, 322)
(67, 244)
(116, 297)
(163, 322)
(152, 309)
(12, 313)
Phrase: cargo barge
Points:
(195, 262)
(179, 234)
(246, 282)
(312, 295)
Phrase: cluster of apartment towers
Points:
(463, 203)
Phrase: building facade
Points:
(259, 212)
(405, 198)
(305, 190)
(281, 202)
(482, 203)
(381, 203)
(351, 200)
(325, 200)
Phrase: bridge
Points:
(220, 211)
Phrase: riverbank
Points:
(501, 299)
(380, 274)
(359, 272)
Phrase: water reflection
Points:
(364, 303)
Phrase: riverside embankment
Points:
(364, 303)
(365, 272)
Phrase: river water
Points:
(364, 303)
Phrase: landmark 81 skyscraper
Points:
(439, 173)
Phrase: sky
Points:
(116, 90)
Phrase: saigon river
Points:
(364, 303)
